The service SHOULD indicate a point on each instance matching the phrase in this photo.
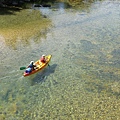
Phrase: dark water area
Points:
(83, 80)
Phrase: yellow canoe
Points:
(39, 66)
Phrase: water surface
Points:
(83, 80)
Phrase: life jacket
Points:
(31, 65)
(28, 70)
(42, 60)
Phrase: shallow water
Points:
(83, 80)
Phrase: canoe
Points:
(39, 66)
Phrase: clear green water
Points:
(83, 82)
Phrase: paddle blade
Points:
(22, 68)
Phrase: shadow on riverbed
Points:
(42, 76)
(9, 10)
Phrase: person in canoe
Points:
(31, 67)
(42, 59)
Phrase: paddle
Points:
(22, 68)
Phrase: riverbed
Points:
(83, 80)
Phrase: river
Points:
(83, 80)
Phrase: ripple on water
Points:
(82, 81)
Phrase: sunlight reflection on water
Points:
(83, 79)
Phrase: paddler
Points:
(31, 67)
(42, 59)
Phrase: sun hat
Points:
(43, 55)
(31, 62)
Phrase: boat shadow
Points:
(42, 75)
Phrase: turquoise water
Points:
(83, 80)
